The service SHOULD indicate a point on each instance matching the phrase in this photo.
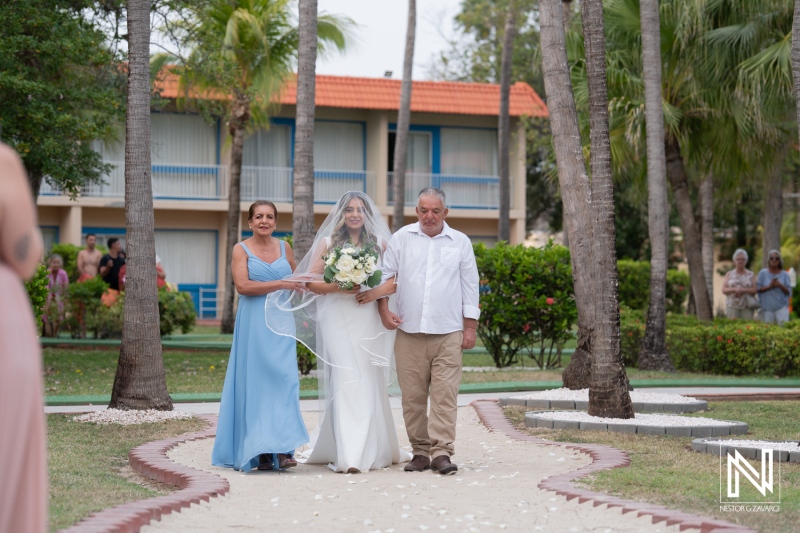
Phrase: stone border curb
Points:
(713, 448)
(583, 405)
(733, 427)
(603, 458)
(151, 461)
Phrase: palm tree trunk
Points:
(676, 172)
(140, 382)
(240, 116)
(608, 392)
(796, 60)
(653, 354)
(773, 211)
(706, 197)
(504, 126)
(403, 123)
(573, 181)
(566, 13)
(303, 182)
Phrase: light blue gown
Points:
(260, 408)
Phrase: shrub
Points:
(526, 301)
(306, 360)
(37, 291)
(84, 311)
(176, 310)
(634, 286)
(729, 347)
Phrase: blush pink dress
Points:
(23, 463)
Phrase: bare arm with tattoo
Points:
(20, 238)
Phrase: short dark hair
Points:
(252, 211)
(111, 241)
(91, 235)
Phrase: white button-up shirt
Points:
(437, 279)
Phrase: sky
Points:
(380, 36)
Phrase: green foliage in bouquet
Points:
(37, 290)
(527, 302)
(349, 265)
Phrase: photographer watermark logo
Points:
(744, 488)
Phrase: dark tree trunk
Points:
(676, 172)
(35, 179)
(504, 126)
(574, 184)
(140, 381)
(608, 391)
(653, 354)
(707, 234)
(773, 211)
(403, 123)
(240, 116)
(303, 186)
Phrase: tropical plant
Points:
(140, 382)
(37, 290)
(403, 123)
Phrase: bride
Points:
(354, 351)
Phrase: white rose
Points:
(349, 251)
(345, 263)
(359, 277)
(371, 264)
(344, 276)
(331, 260)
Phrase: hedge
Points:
(730, 347)
(634, 286)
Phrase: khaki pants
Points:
(429, 362)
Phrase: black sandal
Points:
(265, 462)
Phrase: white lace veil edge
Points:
(299, 314)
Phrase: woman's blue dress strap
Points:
(247, 250)
(283, 247)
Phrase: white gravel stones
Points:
(583, 395)
(762, 444)
(640, 418)
(127, 418)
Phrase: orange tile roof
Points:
(457, 98)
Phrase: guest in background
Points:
(739, 286)
(88, 259)
(23, 454)
(111, 263)
(773, 290)
(57, 282)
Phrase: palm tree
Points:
(608, 390)
(653, 354)
(140, 382)
(303, 177)
(504, 125)
(244, 49)
(588, 208)
(796, 60)
(403, 123)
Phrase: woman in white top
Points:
(738, 284)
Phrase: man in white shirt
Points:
(437, 316)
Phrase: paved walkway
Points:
(496, 488)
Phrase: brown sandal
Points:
(286, 460)
(265, 462)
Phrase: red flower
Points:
(738, 331)
(526, 328)
(730, 341)
(305, 324)
(550, 301)
(719, 337)
(630, 334)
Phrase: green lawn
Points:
(88, 465)
(665, 471)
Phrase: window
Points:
(469, 152)
(269, 148)
(182, 139)
(418, 159)
(338, 145)
(188, 257)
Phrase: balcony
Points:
(463, 192)
(210, 182)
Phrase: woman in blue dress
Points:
(260, 424)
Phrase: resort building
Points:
(452, 145)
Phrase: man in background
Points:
(88, 259)
(111, 263)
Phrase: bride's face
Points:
(354, 214)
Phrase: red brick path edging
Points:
(603, 458)
(150, 460)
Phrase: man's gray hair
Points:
(433, 191)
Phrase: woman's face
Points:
(55, 264)
(354, 214)
(740, 261)
(263, 221)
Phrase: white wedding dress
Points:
(358, 430)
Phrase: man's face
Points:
(91, 240)
(117, 246)
(431, 213)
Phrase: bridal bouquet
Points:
(348, 266)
